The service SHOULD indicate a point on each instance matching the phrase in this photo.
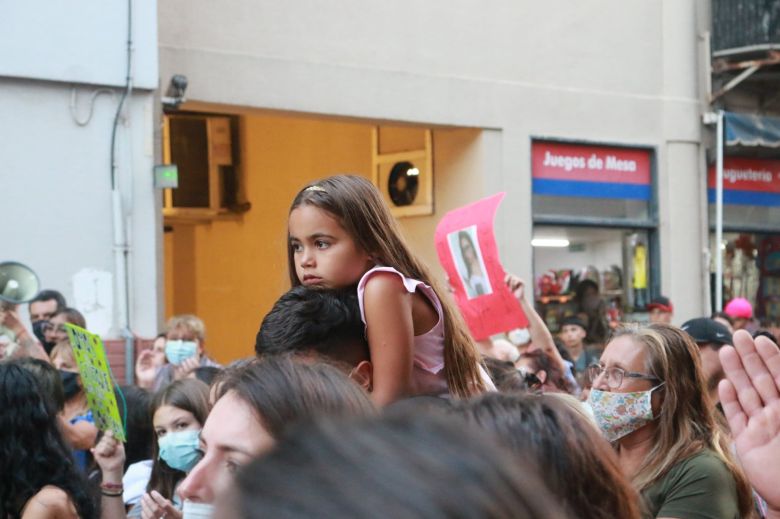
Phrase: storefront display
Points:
(594, 232)
(614, 261)
(751, 248)
(751, 270)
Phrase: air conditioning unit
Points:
(204, 150)
(403, 169)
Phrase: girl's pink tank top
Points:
(428, 370)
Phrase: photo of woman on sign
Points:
(467, 256)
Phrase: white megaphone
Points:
(18, 283)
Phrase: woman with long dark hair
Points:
(39, 478)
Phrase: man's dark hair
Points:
(324, 321)
(48, 295)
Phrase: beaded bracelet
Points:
(111, 489)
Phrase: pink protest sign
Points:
(468, 252)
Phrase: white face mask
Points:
(619, 414)
(192, 510)
(519, 336)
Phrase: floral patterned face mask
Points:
(618, 414)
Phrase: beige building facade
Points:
(308, 85)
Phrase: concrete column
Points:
(682, 216)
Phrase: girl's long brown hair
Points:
(687, 424)
(360, 210)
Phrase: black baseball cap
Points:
(707, 331)
(574, 320)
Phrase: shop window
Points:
(751, 269)
(617, 261)
(595, 240)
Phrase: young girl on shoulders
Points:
(342, 234)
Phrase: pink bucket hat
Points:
(739, 308)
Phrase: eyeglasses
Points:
(48, 326)
(614, 375)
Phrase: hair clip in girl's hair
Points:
(315, 188)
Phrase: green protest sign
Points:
(96, 379)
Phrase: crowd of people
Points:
(368, 397)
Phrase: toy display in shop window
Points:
(769, 268)
(741, 277)
(613, 288)
(553, 289)
(563, 294)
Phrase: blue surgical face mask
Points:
(177, 351)
(179, 450)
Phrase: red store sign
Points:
(561, 169)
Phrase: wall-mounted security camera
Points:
(174, 96)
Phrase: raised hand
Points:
(186, 367)
(109, 454)
(147, 366)
(750, 396)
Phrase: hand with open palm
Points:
(750, 396)
(146, 367)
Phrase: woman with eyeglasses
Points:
(649, 400)
(54, 329)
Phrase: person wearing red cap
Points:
(661, 310)
(741, 311)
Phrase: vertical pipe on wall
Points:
(121, 245)
(719, 215)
